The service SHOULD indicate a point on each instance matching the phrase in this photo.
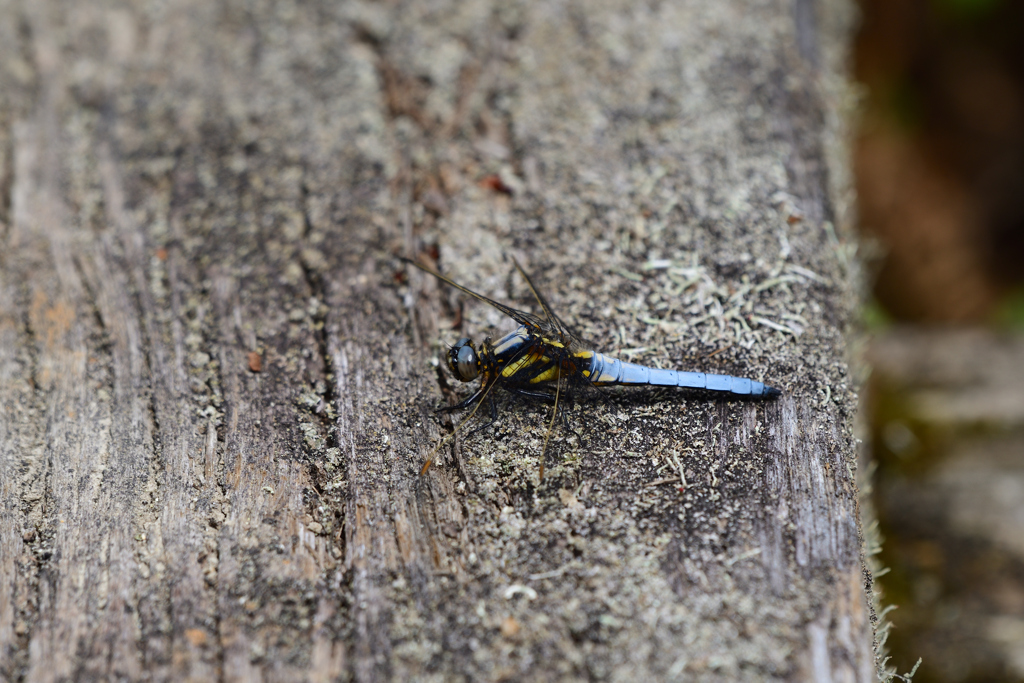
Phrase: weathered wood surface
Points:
(194, 191)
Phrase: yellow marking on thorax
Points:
(549, 375)
(518, 364)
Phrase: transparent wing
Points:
(566, 334)
(521, 317)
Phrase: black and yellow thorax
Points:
(525, 357)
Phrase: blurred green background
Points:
(940, 174)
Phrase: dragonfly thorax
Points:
(463, 360)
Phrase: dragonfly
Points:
(544, 351)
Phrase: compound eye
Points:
(466, 362)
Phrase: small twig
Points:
(715, 353)
(743, 556)
(554, 573)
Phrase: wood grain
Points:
(195, 185)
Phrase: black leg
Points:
(568, 406)
(485, 425)
(465, 403)
(494, 418)
(536, 395)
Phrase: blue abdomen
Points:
(607, 371)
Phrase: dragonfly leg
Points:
(565, 414)
(466, 402)
(537, 395)
(494, 417)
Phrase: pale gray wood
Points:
(217, 392)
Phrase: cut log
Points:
(218, 379)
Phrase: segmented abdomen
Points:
(607, 371)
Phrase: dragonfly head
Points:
(463, 360)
